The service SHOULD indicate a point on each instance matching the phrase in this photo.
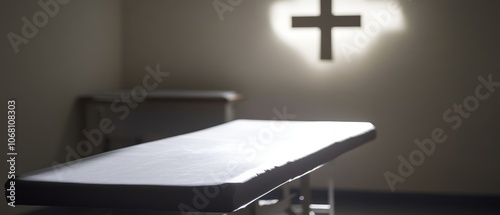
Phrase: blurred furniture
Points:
(158, 114)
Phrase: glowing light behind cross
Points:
(377, 17)
(326, 22)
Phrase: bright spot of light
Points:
(263, 202)
(319, 206)
(348, 43)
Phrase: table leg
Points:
(305, 190)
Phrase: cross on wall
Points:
(325, 22)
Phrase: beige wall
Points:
(403, 84)
(76, 52)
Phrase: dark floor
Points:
(359, 203)
(364, 203)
